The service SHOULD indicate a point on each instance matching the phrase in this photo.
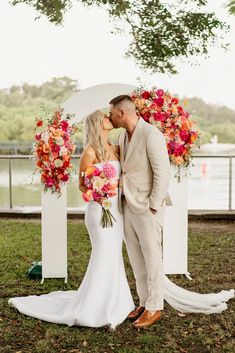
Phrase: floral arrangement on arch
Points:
(53, 150)
(161, 109)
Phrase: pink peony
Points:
(109, 170)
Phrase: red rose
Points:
(159, 101)
(146, 95)
(65, 177)
(39, 123)
(175, 100)
(146, 116)
(37, 137)
(180, 109)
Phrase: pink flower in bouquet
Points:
(55, 148)
(184, 135)
(159, 116)
(87, 196)
(49, 182)
(160, 92)
(106, 188)
(179, 150)
(109, 170)
(159, 101)
(64, 125)
(96, 196)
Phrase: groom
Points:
(143, 196)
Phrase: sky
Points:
(85, 50)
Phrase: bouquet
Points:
(160, 108)
(53, 150)
(102, 184)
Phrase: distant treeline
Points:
(19, 106)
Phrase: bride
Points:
(104, 297)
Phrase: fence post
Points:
(230, 183)
(10, 182)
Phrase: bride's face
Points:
(107, 124)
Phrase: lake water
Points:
(208, 185)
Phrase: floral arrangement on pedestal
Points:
(161, 109)
(53, 149)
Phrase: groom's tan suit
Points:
(144, 182)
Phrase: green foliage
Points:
(21, 104)
(231, 7)
(160, 31)
(213, 120)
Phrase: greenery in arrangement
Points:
(160, 31)
(19, 105)
(210, 263)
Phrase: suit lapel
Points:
(134, 139)
(121, 146)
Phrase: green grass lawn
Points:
(211, 249)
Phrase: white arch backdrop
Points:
(54, 211)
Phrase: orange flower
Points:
(46, 148)
(57, 133)
(90, 170)
(66, 157)
(45, 158)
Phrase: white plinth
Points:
(54, 235)
(175, 232)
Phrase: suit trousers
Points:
(143, 238)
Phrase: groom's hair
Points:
(123, 100)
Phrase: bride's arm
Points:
(87, 160)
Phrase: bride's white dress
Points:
(104, 297)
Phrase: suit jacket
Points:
(146, 169)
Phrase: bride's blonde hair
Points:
(93, 126)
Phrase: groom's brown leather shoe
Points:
(136, 313)
(147, 319)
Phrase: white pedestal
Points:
(54, 235)
(175, 232)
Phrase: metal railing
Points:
(28, 157)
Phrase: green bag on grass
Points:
(35, 271)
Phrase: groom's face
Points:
(116, 116)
